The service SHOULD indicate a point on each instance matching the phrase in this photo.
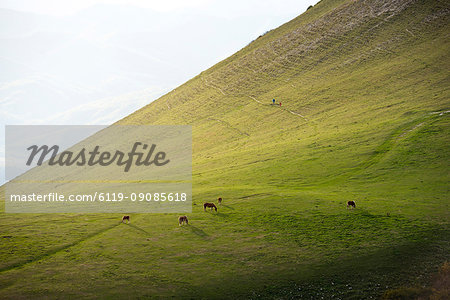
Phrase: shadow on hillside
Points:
(367, 214)
(222, 215)
(197, 231)
(229, 207)
(139, 229)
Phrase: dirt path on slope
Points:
(285, 109)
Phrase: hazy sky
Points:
(94, 62)
(213, 7)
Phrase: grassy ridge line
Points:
(194, 90)
(197, 84)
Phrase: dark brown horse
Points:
(126, 218)
(182, 220)
(210, 205)
(219, 200)
(351, 204)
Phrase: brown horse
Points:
(182, 220)
(126, 218)
(219, 200)
(351, 204)
(210, 205)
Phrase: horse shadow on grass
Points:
(222, 215)
(197, 231)
(139, 229)
(226, 206)
(219, 214)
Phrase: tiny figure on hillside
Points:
(273, 101)
(280, 103)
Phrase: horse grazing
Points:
(126, 218)
(210, 205)
(351, 204)
(182, 220)
(219, 200)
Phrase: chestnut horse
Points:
(210, 205)
(182, 220)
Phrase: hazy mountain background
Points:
(99, 64)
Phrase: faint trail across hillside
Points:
(229, 126)
(384, 148)
(285, 109)
(297, 114)
(205, 81)
(440, 112)
(212, 86)
(258, 100)
(409, 130)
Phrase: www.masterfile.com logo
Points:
(95, 157)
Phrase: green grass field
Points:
(364, 87)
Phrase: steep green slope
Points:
(364, 117)
(348, 74)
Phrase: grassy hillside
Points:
(364, 117)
